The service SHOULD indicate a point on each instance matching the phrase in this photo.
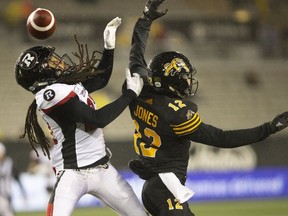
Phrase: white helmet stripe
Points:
(38, 28)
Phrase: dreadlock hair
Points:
(84, 70)
(34, 131)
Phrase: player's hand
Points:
(110, 33)
(143, 171)
(135, 82)
(279, 122)
(151, 10)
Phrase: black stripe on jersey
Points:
(187, 127)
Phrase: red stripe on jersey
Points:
(49, 211)
(63, 101)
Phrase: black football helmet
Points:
(39, 66)
(171, 72)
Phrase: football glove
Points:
(110, 33)
(279, 122)
(135, 82)
(151, 10)
(143, 171)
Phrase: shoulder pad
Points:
(54, 95)
(183, 116)
(176, 108)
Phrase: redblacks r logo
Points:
(48, 95)
(28, 60)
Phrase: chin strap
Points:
(176, 92)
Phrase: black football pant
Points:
(159, 201)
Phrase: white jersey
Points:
(76, 145)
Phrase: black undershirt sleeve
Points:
(139, 40)
(105, 67)
(210, 135)
(75, 110)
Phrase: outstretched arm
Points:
(83, 113)
(141, 34)
(106, 62)
(213, 136)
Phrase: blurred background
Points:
(240, 49)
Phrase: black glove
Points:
(151, 10)
(143, 171)
(279, 122)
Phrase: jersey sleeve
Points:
(188, 125)
(83, 113)
(183, 117)
(105, 67)
(210, 135)
(139, 40)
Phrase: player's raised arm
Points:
(140, 36)
(107, 61)
(151, 10)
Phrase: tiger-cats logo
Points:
(176, 65)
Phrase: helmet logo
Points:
(176, 65)
(29, 60)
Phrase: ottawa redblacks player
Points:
(79, 155)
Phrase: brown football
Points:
(41, 23)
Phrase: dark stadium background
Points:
(239, 47)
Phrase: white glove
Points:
(110, 33)
(135, 82)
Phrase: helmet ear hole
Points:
(157, 84)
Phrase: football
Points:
(41, 23)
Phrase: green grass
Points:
(249, 208)
(232, 208)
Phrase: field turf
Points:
(231, 208)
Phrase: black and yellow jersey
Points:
(165, 126)
(160, 125)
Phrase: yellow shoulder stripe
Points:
(187, 127)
